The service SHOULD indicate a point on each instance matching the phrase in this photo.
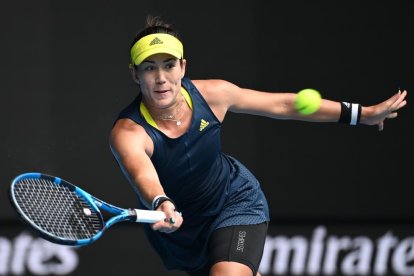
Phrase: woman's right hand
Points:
(172, 221)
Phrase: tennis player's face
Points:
(160, 79)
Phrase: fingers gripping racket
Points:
(64, 213)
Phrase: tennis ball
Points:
(308, 101)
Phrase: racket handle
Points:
(147, 216)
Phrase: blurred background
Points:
(340, 197)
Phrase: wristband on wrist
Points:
(350, 113)
(158, 200)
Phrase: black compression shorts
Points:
(239, 243)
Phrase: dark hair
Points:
(155, 25)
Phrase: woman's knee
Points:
(230, 268)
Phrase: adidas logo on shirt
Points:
(156, 41)
(203, 124)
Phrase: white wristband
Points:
(354, 114)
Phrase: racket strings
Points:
(57, 210)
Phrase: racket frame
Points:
(120, 214)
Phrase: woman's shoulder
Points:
(213, 87)
(127, 134)
(210, 84)
(126, 127)
(218, 93)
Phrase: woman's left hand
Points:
(376, 114)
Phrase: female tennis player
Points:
(167, 143)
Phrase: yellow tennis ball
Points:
(308, 101)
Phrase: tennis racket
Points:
(64, 213)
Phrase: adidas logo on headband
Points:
(156, 41)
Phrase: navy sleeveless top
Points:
(191, 168)
(210, 189)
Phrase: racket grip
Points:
(147, 216)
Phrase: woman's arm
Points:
(224, 96)
(132, 148)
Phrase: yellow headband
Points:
(156, 44)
